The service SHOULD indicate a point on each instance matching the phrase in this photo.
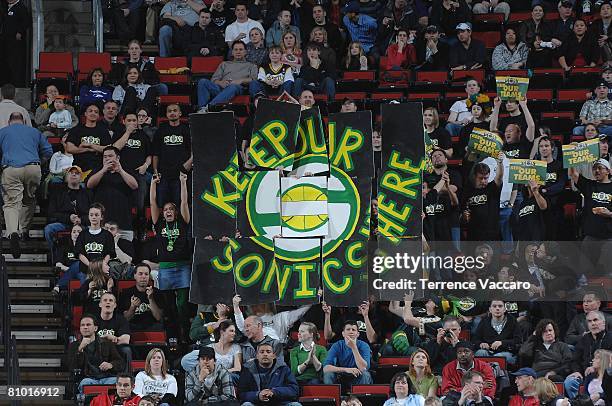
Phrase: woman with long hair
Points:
(593, 382)
(227, 353)
(543, 351)
(134, 93)
(402, 392)
(308, 357)
(68, 260)
(438, 135)
(98, 282)
(95, 90)
(155, 380)
(355, 58)
(535, 31)
(318, 35)
(292, 53)
(421, 377)
(511, 53)
(548, 394)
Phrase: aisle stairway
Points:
(37, 316)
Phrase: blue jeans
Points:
(168, 190)
(111, 380)
(510, 358)
(255, 86)
(190, 360)
(454, 129)
(208, 90)
(50, 230)
(327, 86)
(178, 277)
(331, 378)
(456, 236)
(165, 41)
(605, 129)
(73, 272)
(571, 385)
(162, 88)
(506, 230)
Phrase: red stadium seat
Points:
(517, 73)
(77, 313)
(74, 285)
(148, 338)
(489, 21)
(394, 362)
(137, 365)
(517, 17)
(463, 75)
(354, 81)
(97, 389)
(205, 66)
(182, 99)
(430, 81)
(352, 95)
(125, 284)
(490, 38)
(87, 61)
(386, 96)
(326, 394)
(546, 78)
(53, 65)
(359, 75)
(176, 62)
(570, 99)
(370, 390)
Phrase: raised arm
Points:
(495, 114)
(153, 198)
(499, 176)
(184, 199)
(530, 134)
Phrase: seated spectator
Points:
(427, 321)
(473, 391)
(205, 37)
(315, 75)
(361, 28)
(98, 282)
(591, 301)
(142, 304)
(267, 380)
(221, 16)
(256, 51)
(177, 16)
(228, 79)
(95, 243)
(147, 69)
(292, 53)
(113, 188)
(493, 6)
(420, 376)
(548, 356)
(402, 392)
(46, 109)
(600, 30)
(348, 106)
(497, 334)
(307, 358)
(533, 32)
(401, 54)
(68, 206)
(479, 105)
(348, 360)
(155, 379)
(98, 360)
(121, 17)
(351, 400)
(596, 338)
(95, 90)
(121, 266)
(548, 394)
(207, 320)
(209, 382)
(68, 261)
(446, 15)
(281, 26)
(239, 30)
(122, 395)
(148, 400)
(134, 93)
(86, 142)
(355, 58)
(274, 77)
(318, 35)
(253, 330)
(597, 111)
(562, 26)
(111, 121)
(442, 349)
(511, 53)
(320, 20)
(460, 115)
(579, 49)
(438, 135)
(431, 53)
(145, 123)
(594, 384)
(60, 119)
(466, 53)
(113, 327)
(454, 371)
(58, 165)
(525, 384)
(432, 401)
(482, 200)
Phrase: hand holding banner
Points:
(511, 88)
(524, 170)
(576, 154)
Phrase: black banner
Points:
(212, 276)
(213, 135)
(311, 145)
(345, 275)
(254, 271)
(350, 143)
(298, 282)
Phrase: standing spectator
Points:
(355, 58)
(518, 128)
(597, 111)
(123, 393)
(113, 187)
(479, 106)
(591, 301)
(16, 22)
(8, 106)
(498, 334)
(401, 54)
(439, 137)
(600, 29)
(562, 26)
(529, 224)
(256, 51)
(525, 384)
(228, 79)
(361, 28)
(142, 304)
(134, 93)
(209, 382)
(308, 357)
(460, 115)
(493, 6)
(267, 380)
(239, 30)
(113, 327)
(402, 392)
(466, 53)
(465, 363)
(548, 356)
(206, 38)
(511, 53)
(110, 120)
(319, 18)
(221, 16)
(447, 14)
(533, 32)
(431, 52)
(348, 360)
(171, 155)
(22, 148)
(579, 49)
(95, 90)
(398, 14)
(315, 75)
(155, 379)
(281, 26)
(273, 78)
(95, 242)
(86, 142)
(97, 359)
(177, 16)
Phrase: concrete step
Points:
(32, 309)
(36, 321)
(36, 233)
(36, 362)
(48, 349)
(26, 258)
(29, 283)
(38, 335)
(23, 270)
(38, 296)
(29, 246)
(49, 377)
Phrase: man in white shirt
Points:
(239, 29)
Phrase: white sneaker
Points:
(203, 109)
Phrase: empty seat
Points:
(204, 66)
(88, 61)
(320, 394)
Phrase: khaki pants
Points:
(19, 193)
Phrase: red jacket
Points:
(451, 377)
(518, 400)
(104, 399)
(400, 59)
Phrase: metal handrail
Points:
(38, 33)
(98, 24)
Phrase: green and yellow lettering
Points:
(304, 290)
(258, 267)
(407, 187)
(276, 132)
(390, 208)
(350, 142)
(219, 199)
(353, 257)
(334, 264)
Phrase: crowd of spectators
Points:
(118, 147)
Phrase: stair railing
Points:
(98, 24)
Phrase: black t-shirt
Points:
(91, 304)
(97, 135)
(180, 245)
(595, 195)
(503, 122)
(455, 180)
(173, 147)
(95, 246)
(115, 194)
(484, 212)
(518, 150)
(135, 151)
(556, 177)
(440, 138)
(143, 318)
(530, 221)
(68, 253)
(116, 326)
(437, 212)
(115, 129)
(221, 18)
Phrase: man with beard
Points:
(465, 363)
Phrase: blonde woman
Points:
(98, 282)
(355, 58)
(292, 53)
(155, 379)
(602, 360)
(438, 135)
(318, 35)
(421, 377)
(547, 393)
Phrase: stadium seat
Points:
(571, 99)
(501, 361)
(517, 17)
(460, 77)
(546, 78)
(320, 394)
(371, 395)
(171, 63)
(364, 80)
(87, 61)
(430, 81)
(582, 78)
(74, 285)
(148, 338)
(430, 99)
(125, 284)
(77, 313)
(97, 389)
(389, 366)
(540, 100)
(137, 365)
(55, 65)
(489, 21)
(358, 96)
(490, 38)
(204, 66)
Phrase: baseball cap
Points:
(431, 28)
(351, 7)
(206, 352)
(75, 168)
(567, 4)
(601, 84)
(602, 162)
(464, 27)
(525, 372)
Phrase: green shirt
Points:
(298, 356)
(422, 387)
